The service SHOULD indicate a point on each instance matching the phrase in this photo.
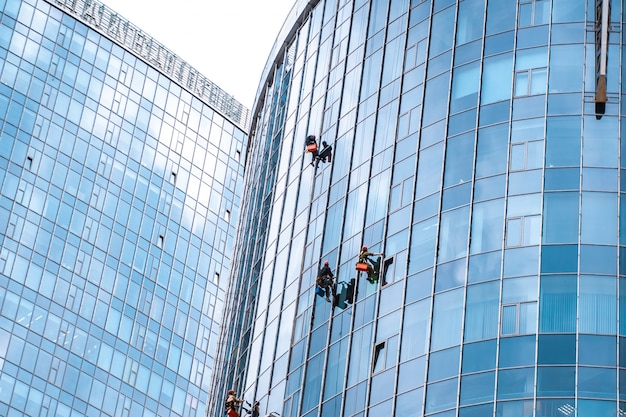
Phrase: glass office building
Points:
(120, 171)
(477, 145)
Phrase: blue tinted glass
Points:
(410, 403)
(557, 303)
(411, 374)
(601, 143)
(554, 407)
(556, 381)
(481, 311)
(559, 258)
(591, 408)
(600, 179)
(450, 275)
(563, 104)
(489, 188)
(515, 408)
(447, 319)
(484, 267)
(599, 218)
(556, 349)
(443, 364)
(597, 382)
(560, 224)
(441, 395)
(499, 43)
(597, 305)
(566, 68)
(477, 411)
(487, 226)
(453, 234)
(382, 386)
(597, 259)
(492, 150)
(563, 142)
(516, 383)
(557, 179)
(521, 261)
(479, 356)
(477, 388)
(500, 16)
(517, 351)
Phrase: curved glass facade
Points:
(119, 186)
(470, 150)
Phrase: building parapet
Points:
(109, 23)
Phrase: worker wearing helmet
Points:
(325, 279)
(232, 404)
(372, 266)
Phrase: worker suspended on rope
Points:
(369, 265)
(317, 155)
(232, 404)
(324, 281)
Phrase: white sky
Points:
(227, 41)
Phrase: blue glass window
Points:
(453, 236)
(465, 81)
(517, 351)
(411, 374)
(443, 364)
(479, 356)
(447, 319)
(592, 408)
(515, 408)
(441, 395)
(415, 330)
(599, 218)
(556, 349)
(492, 150)
(597, 305)
(560, 219)
(481, 311)
(597, 382)
(556, 381)
(557, 299)
(516, 383)
(484, 267)
(477, 388)
(563, 141)
(459, 160)
(500, 16)
(534, 12)
(487, 224)
(566, 68)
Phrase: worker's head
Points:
(326, 263)
(231, 392)
(364, 248)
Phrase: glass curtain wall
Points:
(119, 195)
(467, 150)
